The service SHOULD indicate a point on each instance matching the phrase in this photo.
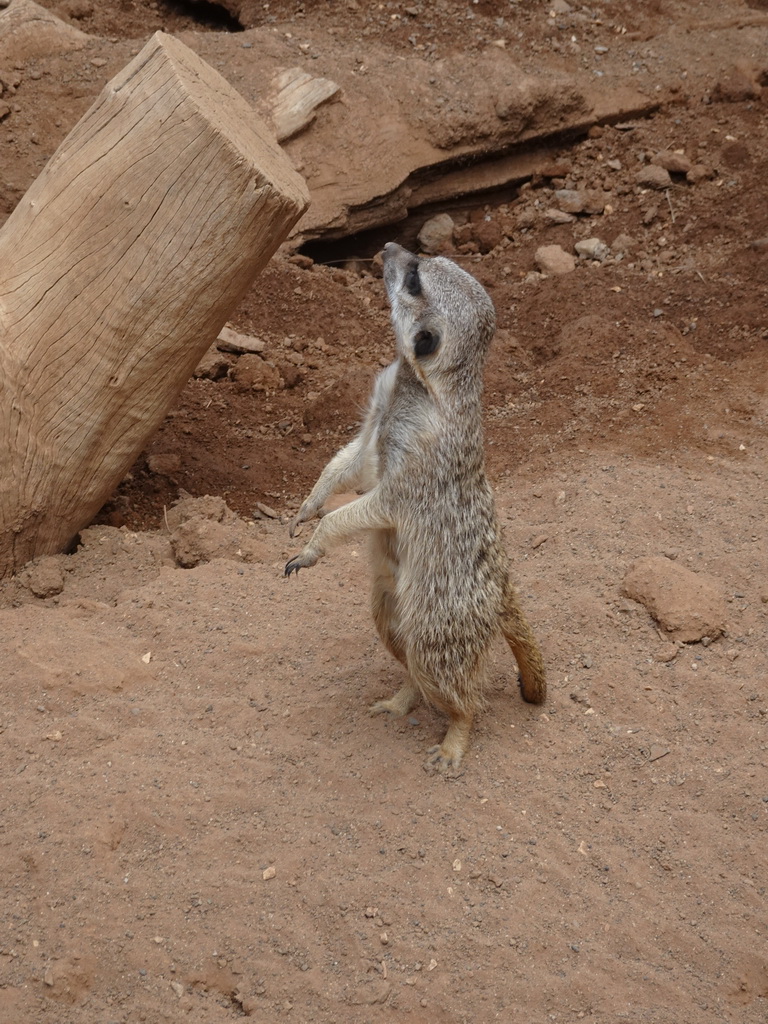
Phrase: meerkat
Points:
(441, 589)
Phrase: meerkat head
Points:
(443, 318)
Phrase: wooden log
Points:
(118, 269)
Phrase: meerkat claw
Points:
(304, 515)
(303, 560)
(443, 760)
(295, 528)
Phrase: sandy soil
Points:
(200, 821)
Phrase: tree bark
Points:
(118, 268)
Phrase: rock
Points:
(738, 85)
(667, 653)
(296, 97)
(594, 201)
(686, 604)
(570, 200)
(699, 173)
(164, 463)
(526, 217)
(554, 260)
(254, 373)
(623, 243)
(517, 100)
(592, 249)
(201, 540)
(653, 177)
(556, 169)
(290, 373)
(214, 365)
(436, 233)
(230, 340)
(28, 31)
(249, 1003)
(207, 507)
(675, 163)
(554, 216)
(45, 577)
(560, 7)
(487, 233)
(651, 214)
(268, 873)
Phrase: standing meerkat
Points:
(441, 588)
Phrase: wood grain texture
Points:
(118, 268)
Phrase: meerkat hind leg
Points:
(405, 700)
(384, 610)
(450, 752)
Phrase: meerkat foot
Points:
(443, 759)
(301, 561)
(450, 752)
(405, 700)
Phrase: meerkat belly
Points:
(450, 582)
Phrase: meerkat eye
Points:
(425, 343)
(411, 282)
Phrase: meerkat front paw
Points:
(303, 560)
(306, 513)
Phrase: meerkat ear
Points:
(425, 343)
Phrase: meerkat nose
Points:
(393, 249)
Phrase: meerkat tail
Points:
(518, 634)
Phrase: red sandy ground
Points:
(169, 734)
